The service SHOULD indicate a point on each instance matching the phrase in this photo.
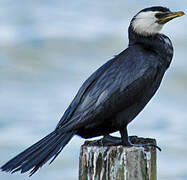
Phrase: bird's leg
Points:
(126, 140)
(124, 137)
(109, 140)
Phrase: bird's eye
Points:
(159, 15)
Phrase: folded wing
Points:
(113, 87)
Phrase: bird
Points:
(113, 95)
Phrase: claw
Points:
(140, 143)
(153, 145)
(147, 144)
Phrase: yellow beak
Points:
(169, 16)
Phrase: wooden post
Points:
(99, 162)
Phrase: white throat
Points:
(145, 23)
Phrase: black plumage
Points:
(109, 99)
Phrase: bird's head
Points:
(150, 21)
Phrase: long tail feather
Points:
(38, 154)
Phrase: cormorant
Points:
(113, 95)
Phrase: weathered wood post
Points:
(99, 162)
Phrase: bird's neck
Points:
(159, 43)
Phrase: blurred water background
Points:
(48, 48)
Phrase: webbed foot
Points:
(137, 142)
(109, 140)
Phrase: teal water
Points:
(48, 48)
